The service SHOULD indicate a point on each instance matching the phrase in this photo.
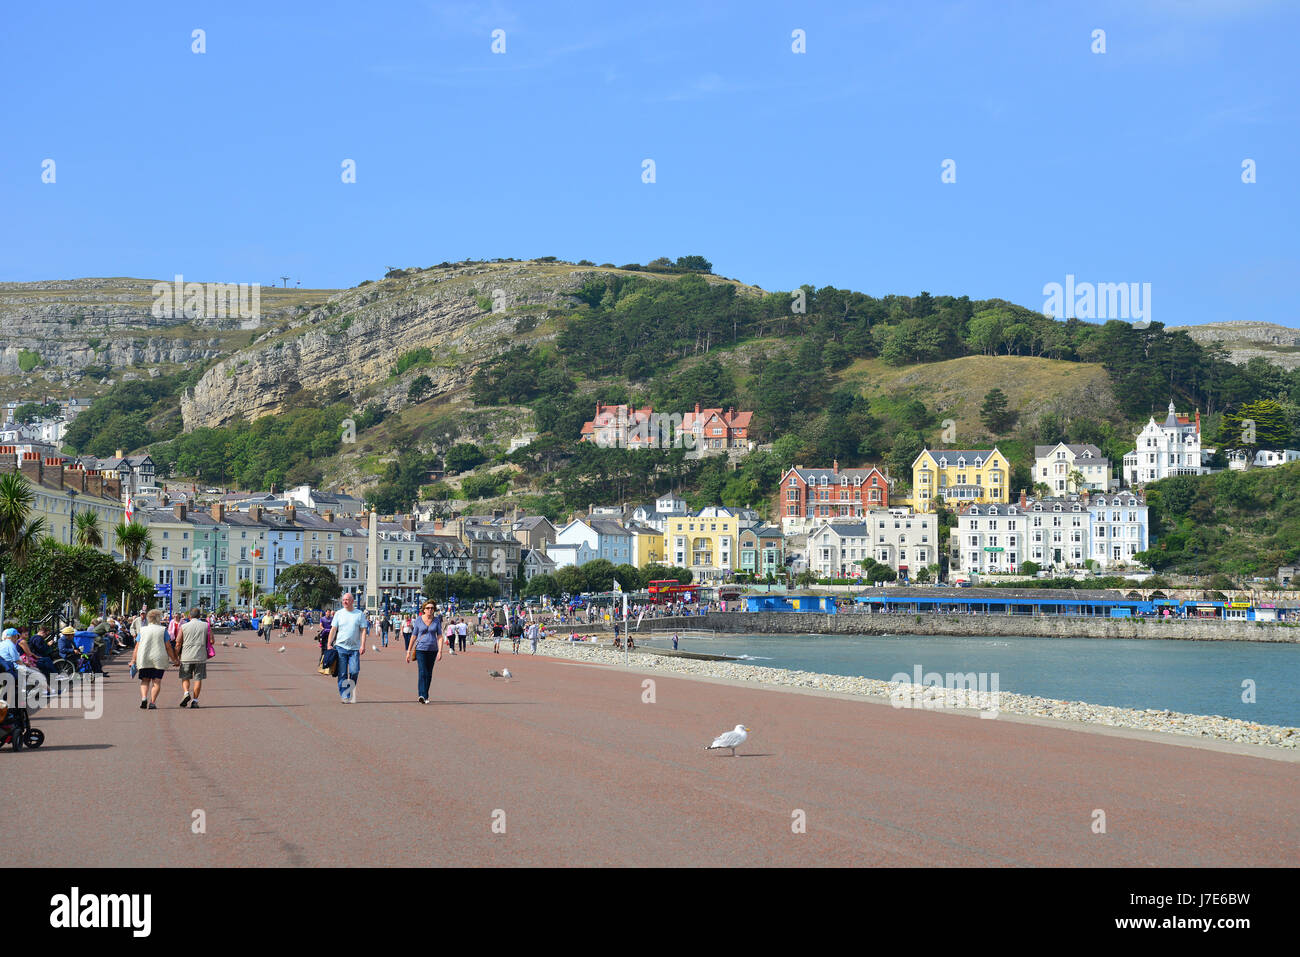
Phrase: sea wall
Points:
(848, 623)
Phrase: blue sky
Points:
(782, 168)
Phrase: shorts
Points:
(145, 674)
(194, 670)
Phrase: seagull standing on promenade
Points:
(730, 739)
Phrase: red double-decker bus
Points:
(670, 589)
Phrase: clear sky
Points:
(783, 168)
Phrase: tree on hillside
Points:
(462, 457)
(1254, 426)
(420, 386)
(995, 415)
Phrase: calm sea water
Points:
(1195, 677)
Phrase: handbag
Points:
(212, 649)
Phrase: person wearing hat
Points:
(10, 653)
(73, 644)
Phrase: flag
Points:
(130, 508)
(618, 589)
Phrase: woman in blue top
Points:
(426, 646)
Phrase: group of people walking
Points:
(186, 644)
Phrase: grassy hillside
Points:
(954, 389)
(1240, 524)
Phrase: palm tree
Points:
(134, 541)
(245, 590)
(1042, 490)
(1075, 480)
(86, 529)
(19, 532)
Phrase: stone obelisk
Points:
(372, 563)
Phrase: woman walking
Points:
(407, 629)
(153, 652)
(426, 648)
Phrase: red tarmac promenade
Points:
(580, 771)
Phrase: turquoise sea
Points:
(1195, 677)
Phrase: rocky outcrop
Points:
(348, 348)
(63, 330)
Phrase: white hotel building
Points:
(1171, 448)
(1052, 533)
(906, 541)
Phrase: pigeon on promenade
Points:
(730, 739)
(282, 649)
(501, 674)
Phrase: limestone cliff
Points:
(347, 348)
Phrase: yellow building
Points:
(647, 545)
(960, 476)
(707, 543)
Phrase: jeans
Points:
(424, 661)
(349, 669)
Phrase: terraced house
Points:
(706, 543)
(762, 551)
(1071, 468)
(960, 477)
(59, 492)
(811, 496)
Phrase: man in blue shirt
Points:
(348, 634)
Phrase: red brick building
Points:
(717, 429)
(618, 427)
(713, 430)
(809, 496)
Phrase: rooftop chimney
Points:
(218, 512)
(255, 512)
(408, 523)
(120, 454)
(329, 517)
(179, 511)
(1024, 498)
(30, 466)
(290, 512)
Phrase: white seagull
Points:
(730, 739)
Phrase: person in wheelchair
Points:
(78, 647)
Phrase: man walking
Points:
(348, 635)
(192, 646)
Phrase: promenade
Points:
(568, 765)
